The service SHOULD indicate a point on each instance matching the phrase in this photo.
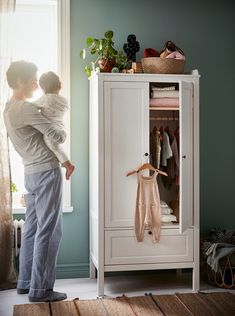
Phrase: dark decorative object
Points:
(131, 47)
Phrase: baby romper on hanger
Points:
(148, 210)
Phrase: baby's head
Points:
(50, 82)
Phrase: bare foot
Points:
(69, 168)
(69, 171)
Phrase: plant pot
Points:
(106, 65)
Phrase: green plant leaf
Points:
(83, 53)
(108, 34)
(96, 42)
(113, 51)
(104, 41)
(93, 51)
(88, 71)
(89, 41)
(105, 53)
(101, 46)
(121, 60)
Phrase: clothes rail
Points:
(164, 118)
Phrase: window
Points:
(40, 33)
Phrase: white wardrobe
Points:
(120, 123)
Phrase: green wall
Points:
(205, 31)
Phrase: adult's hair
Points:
(49, 82)
(21, 69)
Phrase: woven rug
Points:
(199, 304)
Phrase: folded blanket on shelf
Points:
(166, 211)
(165, 94)
(168, 218)
(165, 208)
(164, 102)
(171, 88)
(163, 204)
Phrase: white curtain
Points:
(7, 6)
(7, 270)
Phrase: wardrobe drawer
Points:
(121, 247)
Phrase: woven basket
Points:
(225, 276)
(158, 65)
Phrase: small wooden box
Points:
(137, 67)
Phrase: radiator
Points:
(18, 230)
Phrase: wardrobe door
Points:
(126, 122)
(186, 156)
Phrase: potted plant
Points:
(104, 51)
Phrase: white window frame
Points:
(63, 16)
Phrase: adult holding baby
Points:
(53, 106)
(27, 127)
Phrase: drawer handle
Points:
(149, 232)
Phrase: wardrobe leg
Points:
(100, 282)
(196, 267)
(92, 270)
(196, 279)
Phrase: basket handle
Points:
(169, 45)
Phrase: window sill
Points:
(22, 210)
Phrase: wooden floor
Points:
(160, 282)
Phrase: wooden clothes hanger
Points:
(146, 166)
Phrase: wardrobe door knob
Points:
(184, 156)
(146, 154)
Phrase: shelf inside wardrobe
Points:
(164, 108)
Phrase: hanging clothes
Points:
(148, 209)
(166, 152)
(155, 148)
(177, 138)
(172, 168)
(175, 151)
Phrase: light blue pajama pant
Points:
(42, 232)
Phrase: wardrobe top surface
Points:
(145, 76)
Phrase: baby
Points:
(54, 106)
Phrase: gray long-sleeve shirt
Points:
(26, 126)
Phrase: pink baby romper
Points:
(148, 210)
